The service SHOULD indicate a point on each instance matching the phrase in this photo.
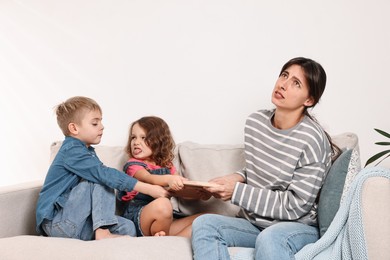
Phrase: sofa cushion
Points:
(47, 248)
(329, 200)
(111, 156)
(354, 168)
(202, 162)
(346, 141)
(339, 178)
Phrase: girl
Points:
(150, 147)
(287, 155)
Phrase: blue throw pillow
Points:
(332, 189)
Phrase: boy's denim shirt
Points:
(75, 162)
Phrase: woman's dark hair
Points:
(315, 76)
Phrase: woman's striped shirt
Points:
(284, 171)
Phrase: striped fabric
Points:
(284, 171)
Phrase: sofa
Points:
(201, 162)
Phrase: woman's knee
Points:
(204, 221)
(283, 240)
(272, 244)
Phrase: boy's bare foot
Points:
(105, 233)
(160, 234)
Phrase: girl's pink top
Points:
(131, 170)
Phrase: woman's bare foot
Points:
(160, 234)
(105, 233)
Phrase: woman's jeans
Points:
(213, 234)
(90, 206)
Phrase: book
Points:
(199, 184)
(193, 190)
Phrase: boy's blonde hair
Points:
(73, 111)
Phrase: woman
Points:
(287, 156)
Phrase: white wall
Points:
(201, 65)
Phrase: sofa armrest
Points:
(376, 216)
(17, 207)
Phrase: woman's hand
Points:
(224, 189)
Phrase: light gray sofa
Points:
(18, 239)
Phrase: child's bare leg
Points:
(156, 217)
(101, 233)
(183, 226)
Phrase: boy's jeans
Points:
(89, 206)
(213, 234)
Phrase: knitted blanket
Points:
(344, 238)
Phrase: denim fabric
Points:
(74, 162)
(133, 213)
(89, 206)
(133, 209)
(141, 196)
(213, 234)
(160, 171)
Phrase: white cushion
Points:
(112, 156)
(202, 162)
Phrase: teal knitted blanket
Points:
(344, 238)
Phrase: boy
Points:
(77, 199)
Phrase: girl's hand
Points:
(175, 182)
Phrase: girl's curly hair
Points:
(158, 138)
